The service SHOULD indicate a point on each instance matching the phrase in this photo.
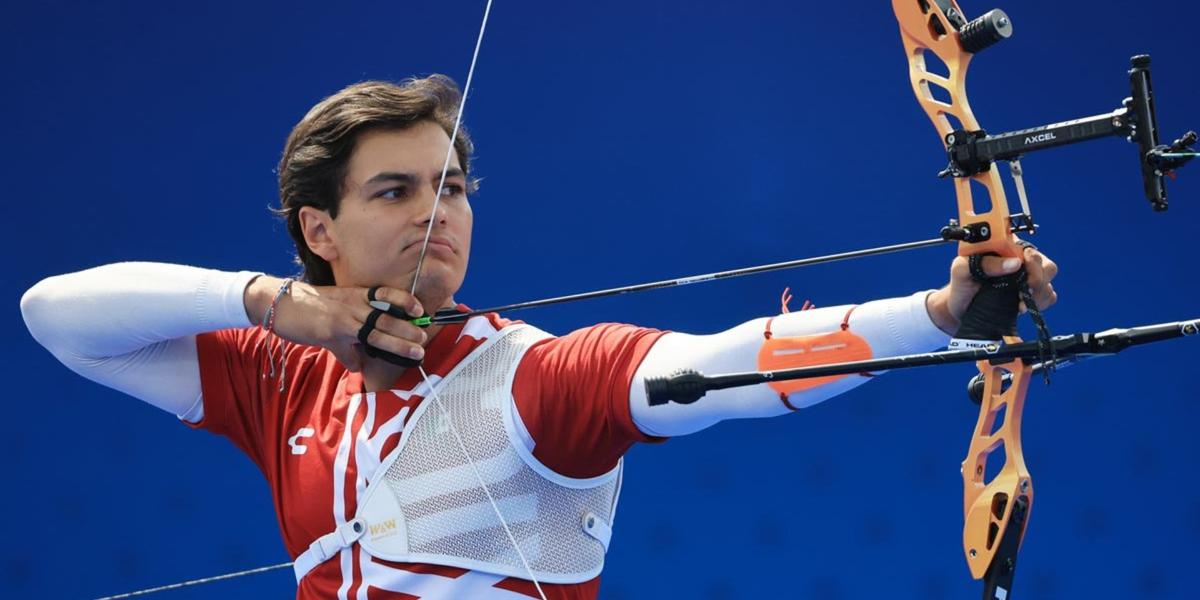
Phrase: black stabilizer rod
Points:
(686, 386)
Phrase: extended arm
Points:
(890, 327)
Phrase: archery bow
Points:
(996, 507)
(996, 510)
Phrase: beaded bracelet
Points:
(268, 321)
(268, 324)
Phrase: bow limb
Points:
(995, 504)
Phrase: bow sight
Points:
(973, 152)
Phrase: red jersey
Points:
(320, 441)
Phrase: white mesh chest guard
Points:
(425, 504)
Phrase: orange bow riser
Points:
(996, 503)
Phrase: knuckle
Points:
(412, 332)
(382, 293)
(960, 267)
(385, 323)
(401, 299)
(400, 328)
(352, 320)
(382, 341)
(335, 326)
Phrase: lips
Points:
(434, 242)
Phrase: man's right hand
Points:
(330, 317)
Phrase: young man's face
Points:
(391, 181)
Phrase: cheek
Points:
(468, 223)
(373, 239)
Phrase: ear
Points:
(317, 227)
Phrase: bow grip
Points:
(993, 311)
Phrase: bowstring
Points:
(433, 397)
(478, 477)
(450, 149)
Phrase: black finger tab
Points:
(369, 325)
(395, 359)
(372, 351)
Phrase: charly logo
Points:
(383, 529)
(294, 442)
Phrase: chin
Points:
(437, 285)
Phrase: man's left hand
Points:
(947, 305)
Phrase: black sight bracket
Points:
(973, 152)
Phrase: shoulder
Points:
(600, 344)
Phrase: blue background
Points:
(620, 141)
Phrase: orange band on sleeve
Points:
(810, 350)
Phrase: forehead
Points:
(419, 149)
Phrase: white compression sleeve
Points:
(132, 326)
(891, 327)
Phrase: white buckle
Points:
(324, 547)
(597, 528)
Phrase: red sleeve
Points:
(572, 394)
(235, 393)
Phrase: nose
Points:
(427, 210)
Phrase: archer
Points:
(478, 458)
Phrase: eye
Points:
(453, 190)
(393, 193)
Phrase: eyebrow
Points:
(409, 178)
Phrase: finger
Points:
(1035, 273)
(390, 343)
(960, 269)
(1050, 267)
(1046, 296)
(382, 338)
(400, 328)
(386, 298)
(998, 266)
